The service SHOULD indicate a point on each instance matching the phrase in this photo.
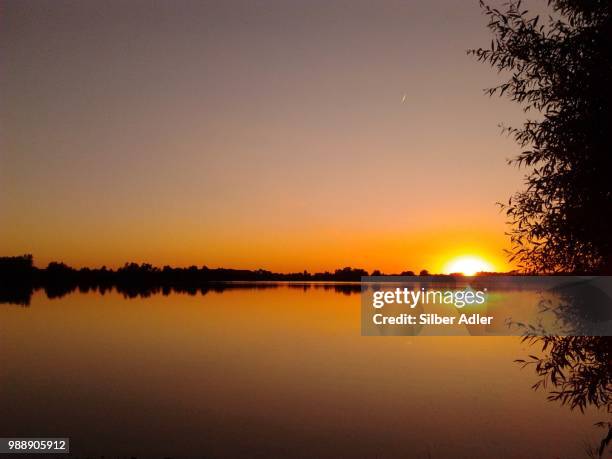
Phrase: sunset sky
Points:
(285, 135)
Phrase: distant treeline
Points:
(19, 278)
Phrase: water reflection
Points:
(21, 294)
(265, 370)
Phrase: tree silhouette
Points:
(561, 70)
(579, 369)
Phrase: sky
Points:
(284, 135)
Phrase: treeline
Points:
(19, 278)
(22, 267)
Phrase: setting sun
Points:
(468, 265)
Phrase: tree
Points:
(579, 369)
(561, 69)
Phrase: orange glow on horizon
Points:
(314, 251)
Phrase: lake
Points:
(274, 371)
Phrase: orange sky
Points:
(281, 135)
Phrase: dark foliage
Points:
(561, 69)
(572, 369)
(577, 372)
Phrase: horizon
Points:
(416, 272)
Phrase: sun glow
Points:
(468, 265)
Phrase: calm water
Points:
(275, 372)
